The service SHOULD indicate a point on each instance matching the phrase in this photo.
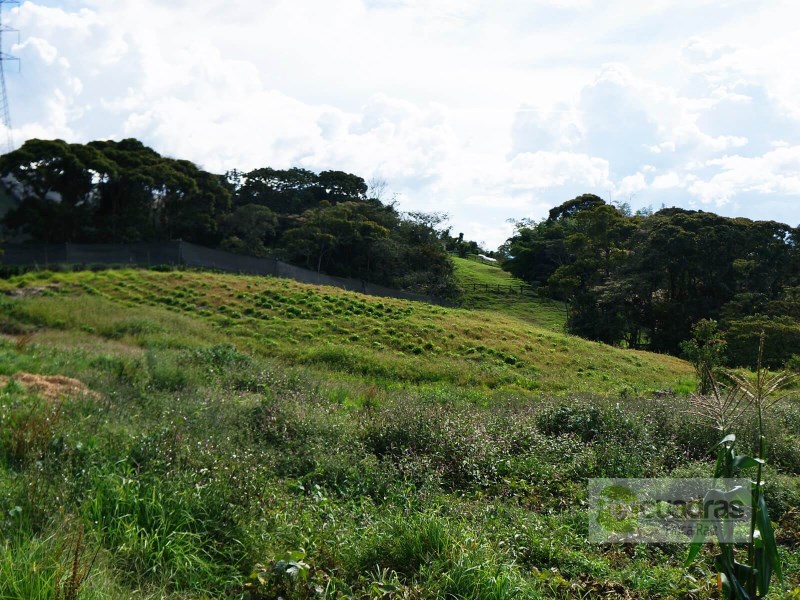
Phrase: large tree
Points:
(109, 191)
(56, 186)
(334, 236)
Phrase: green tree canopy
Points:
(110, 191)
(646, 279)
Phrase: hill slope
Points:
(488, 287)
(194, 435)
(381, 340)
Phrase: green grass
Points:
(384, 341)
(280, 452)
(489, 288)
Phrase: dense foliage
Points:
(645, 279)
(108, 191)
(194, 465)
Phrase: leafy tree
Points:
(644, 279)
(249, 230)
(110, 191)
(333, 235)
(706, 351)
(596, 242)
(289, 191)
(339, 186)
(782, 334)
(538, 249)
(572, 208)
(191, 202)
(55, 184)
(679, 265)
(425, 265)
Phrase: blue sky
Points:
(487, 110)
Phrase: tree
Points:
(645, 279)
(339, 186)
(572, 208)
(110, 191)
(333, 235)
(55, 184)
(782, 334)
(535, 251)
(249, 230)
(538, 249)
(289, 191)
(706, 351)
(596, 243)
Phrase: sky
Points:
(488, 110)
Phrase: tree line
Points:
(644, 280)
(118, 192)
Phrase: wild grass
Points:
(487, 287)
(382, 340)
(230, 461)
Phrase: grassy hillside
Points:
(488, 287)
(185, 435)
(384, 341)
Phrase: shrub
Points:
(29, 424)
(165, 371)
(582, 421)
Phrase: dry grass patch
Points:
(32, 290)
(51, 387)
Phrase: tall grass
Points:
(206, 468)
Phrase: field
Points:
(187, 435)
(487, 287)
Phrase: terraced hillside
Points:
(383, 340)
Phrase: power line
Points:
(5, 112)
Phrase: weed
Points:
(69, 584)
(29, 425)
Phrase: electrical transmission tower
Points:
(5, 113)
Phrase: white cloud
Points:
(666, 181)
(631, 184)
(776, 172)
(490, 236)
(498, 201)
(531, 170)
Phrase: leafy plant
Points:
(283, 577)
(705, 350)
(751, 579)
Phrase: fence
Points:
(500, 288)
(147, 254)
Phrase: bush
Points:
(582, 421)
(166, 373)
(781, 342)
